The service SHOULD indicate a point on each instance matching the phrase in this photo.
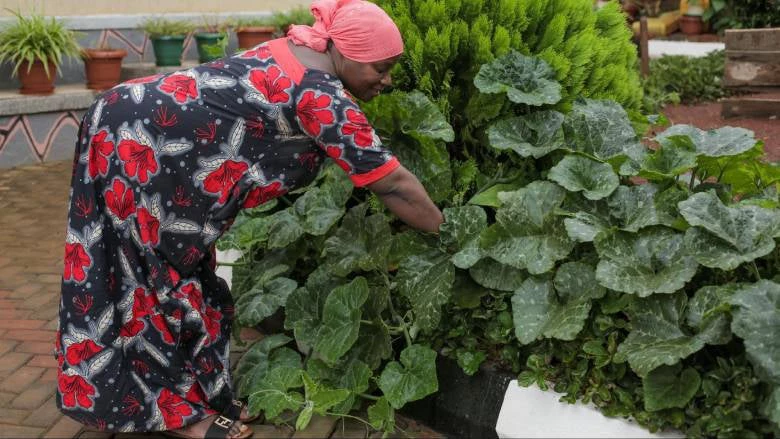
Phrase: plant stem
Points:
(755, 270)
(367, 396)
(693, 177)
(232, 264)
(400, 319)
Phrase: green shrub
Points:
(34, 38)
(684, 80)
(161, 27)
(743, 14)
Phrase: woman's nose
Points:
(387, 80)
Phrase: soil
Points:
(707, 116)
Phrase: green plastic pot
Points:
(208, 46)
(168, 50)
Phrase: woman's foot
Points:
(198, 430)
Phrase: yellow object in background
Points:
(662, 25)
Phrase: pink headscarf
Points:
(360, 30)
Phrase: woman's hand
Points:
(403, 194)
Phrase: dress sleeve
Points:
(338, 126)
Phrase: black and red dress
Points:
(164, 164)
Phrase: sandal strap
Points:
(220, 427)
(233, 410)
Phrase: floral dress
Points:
(163, 165)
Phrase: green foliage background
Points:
(642, 280)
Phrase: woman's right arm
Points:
(403, 194)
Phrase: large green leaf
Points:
(489, 196)
(411, 379)
(524, 79)
(584, 227)
(537, 312)
(634, 207)
(428, 160)
(461, 225)
(528, 234)
(253, 365)
(381, 416)
(260, 303)
(320, 396)
(725, 141)
(756, 321)
(410, 243)
(669, 387)
(319, 209)
(727, 236)
(284, 228)
(341, 320)
(373, 344)
(575, 280)
(534, 135)
(668, 161)
(304, 306)
(656, 337)
(409, 113)
(595, 179)
(771, 408)
(601, 129)
(271, 394)
(361, 243)
(497, 276)
(651, 261)
(707, 313)
(466, 293)
(354, 377)
(426, 280)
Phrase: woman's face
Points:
(365, 80)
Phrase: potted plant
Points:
(167, 39)
(36, 46)
(298, 15)
(254, 31)
(211, 40)
(103, 66)
(691, 22)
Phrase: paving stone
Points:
(26, 291)
(49, 376)
(35, 347)
(43, 361)
(15, 313)
(88, 434)
(16, 432)
(13, 416)
(64, 428)
(37, 302)
(33, 396)
(5, 399)
(20, 379)
(22, 324)
(30, 335)
(350, 429)
(319, 427)
(11, 361)
(7, 345)
(44, 416)
(271, 431)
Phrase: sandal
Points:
(219, 429)
(234, 411)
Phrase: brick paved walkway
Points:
(33, 207)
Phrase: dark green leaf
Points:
(524, 79)
(669, 387)
(411, 379)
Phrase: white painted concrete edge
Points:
(530, 412)
(659, 48)
(223, 271)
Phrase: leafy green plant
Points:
(161, 27)
(678, 79)
(36, 38)
(742, 14)
(297, 15)
(567, 272)
(254, 21)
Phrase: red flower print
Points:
(195, 395)
(309, 160)
(261, 53)
(143, 304)
(76, 260)
(75, 391)
(99, 151)
(120, 199)
(172, 407)
(222, 180)
(145, 79)
(131, 328)
(206, 135)
(162, 118)
(211, 319)
(181, 87)
(359, 128)
(334, 152)
(159, 322)
(78, 352)
(173, 276)
(313, 112)
(149, 226)
(139, 159)
(263, 194)
(256, 127)
(193, 294)
(271, 84)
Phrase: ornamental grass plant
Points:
(37, 38)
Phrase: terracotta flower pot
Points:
(251, 36)
(36, 82)
(103, 67)
(691, 24)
